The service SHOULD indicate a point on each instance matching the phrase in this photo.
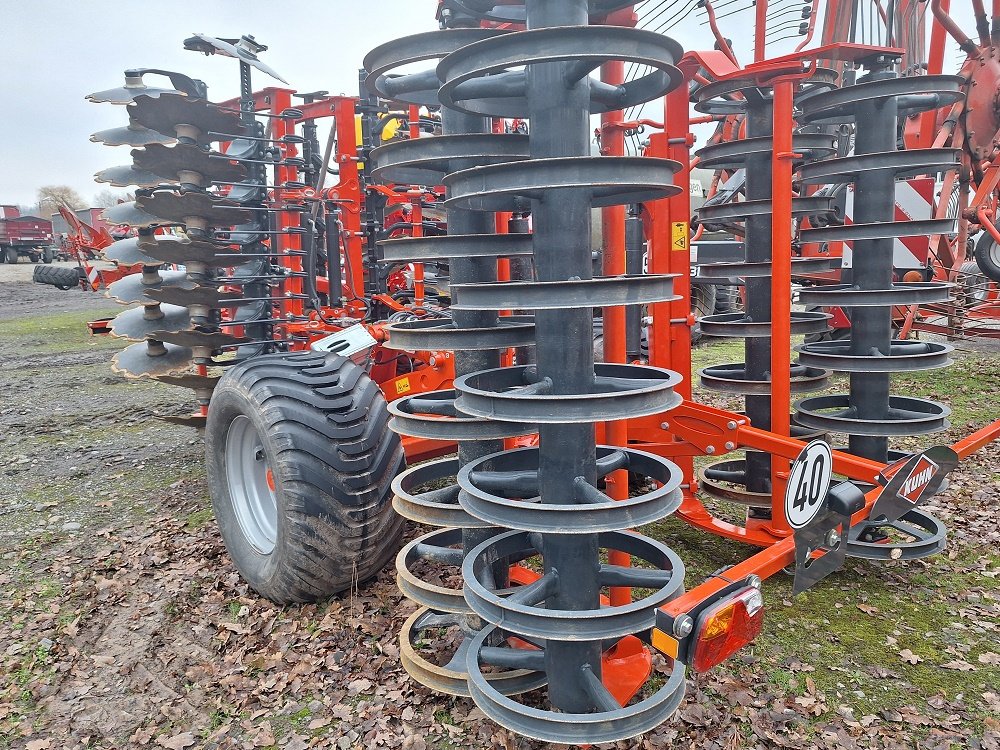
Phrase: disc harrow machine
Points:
(445, 290)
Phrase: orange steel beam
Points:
(781, 285)
(613, 231)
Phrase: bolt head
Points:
(710, 449)
(683, 625)
(664, 425)
(731, 425)
(730, 446)
(754, 580)
(832, 538)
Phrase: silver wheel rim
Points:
(254, 502)
(995, 253)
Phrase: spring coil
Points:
(553, 625)
(747, 481)
(868, 413)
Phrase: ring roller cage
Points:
(868, 413)
(552, 629)
(747, 481)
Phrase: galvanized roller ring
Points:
(408, 249)
(442, 547)
(433, 415)
(732, 378)
(556, 295)
(907, 416)
(434, 334)
(715, 98)
(611, 180)
(436, 507)
(427, 161)
(733, 154)
(912, 94)
(901, 163)
(903, 356)
(501, 12)
(883, 230)
(604, 724)
(502, 490)
(521, 609)
(477, 79)
(452, 678)
(743, 210)
(419, 88)
(900, 293)
(928, 536)
(515, 394)
(740, 325)
(762, 269)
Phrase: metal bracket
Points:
(826, 533)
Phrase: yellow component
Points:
(358, 138)
(391, 129)
(718, 624)
(665, 644)
(679, 235)
(402, 386)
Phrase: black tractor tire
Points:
(727, 298)
(11, 255)
(988, 256)
(48, 255)
(702, 305)
(319, 425)
(57, 276)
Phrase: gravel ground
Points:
(123, 623)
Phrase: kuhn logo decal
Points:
(921, 475)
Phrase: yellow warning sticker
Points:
(402, 386)
(678, 235)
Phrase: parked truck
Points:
(29, 236)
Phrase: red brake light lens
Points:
(726, 627)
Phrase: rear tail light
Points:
(725, 627)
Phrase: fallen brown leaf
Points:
(909, 657)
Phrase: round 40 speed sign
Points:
(808, 483)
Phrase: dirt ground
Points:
(123, 623)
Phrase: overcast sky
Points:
(55, 52)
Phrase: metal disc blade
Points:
(133, 324)
(202, 385)
(133, 134)
(151, 359)
(229, 49)
(131, 289)
(127, 252)
(129, 213)
(126, 94)
(179, 116)
(193, 251)
(195, 338)
(127, 176)
(190, 206)
(189, 294)
(171, 162)
(198, 421)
